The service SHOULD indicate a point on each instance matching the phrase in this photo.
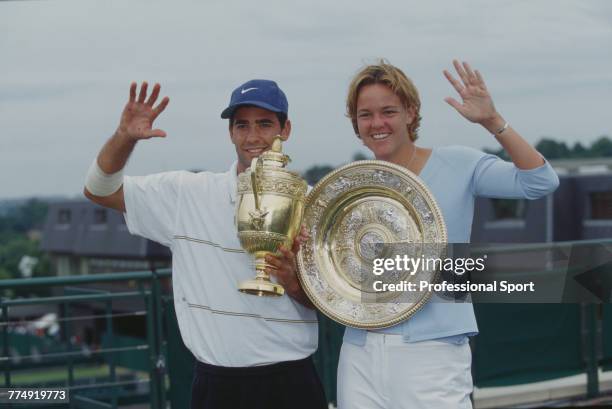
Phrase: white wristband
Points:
(99, 183)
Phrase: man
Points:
(251, 351)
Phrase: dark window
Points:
(64, 216)
(505, 209)
(601, 205)
(99, 216)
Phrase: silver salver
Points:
(357, 213)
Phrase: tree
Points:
(360, 156)
(316, 173)
(500, 152)
(579, 151)
(602, 147)
(552, 149)
(21, 219)
(14, 242)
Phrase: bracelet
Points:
(502, 129)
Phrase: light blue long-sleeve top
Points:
(456, 175)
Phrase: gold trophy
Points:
(268, 213)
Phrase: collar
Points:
(232, 178)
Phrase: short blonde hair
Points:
(396, 80)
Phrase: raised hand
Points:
(138, 115)
(477, 105)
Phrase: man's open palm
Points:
(138, 115)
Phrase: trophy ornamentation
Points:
(268, 214)
(360, 212)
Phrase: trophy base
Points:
(261, 288)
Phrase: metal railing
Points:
(148, 292)
(147, 287)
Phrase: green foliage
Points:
(316, 173)
(30, 215)
(500, 152)
(580, 151)
(602, 147)
(15, 242)
(551, 149)
(4, 273)
(12, 251)
(360, 156)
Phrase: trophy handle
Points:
(256, 170)
(260, 218)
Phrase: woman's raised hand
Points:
(477, 105)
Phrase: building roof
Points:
(584, 166)
(80, 227)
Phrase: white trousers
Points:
(388, 373)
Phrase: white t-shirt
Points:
(193, 214)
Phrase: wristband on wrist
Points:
(100, 183)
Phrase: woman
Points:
(425, 362)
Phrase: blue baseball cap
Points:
(260, 93)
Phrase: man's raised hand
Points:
(138, 115)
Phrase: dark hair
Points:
(282, 118)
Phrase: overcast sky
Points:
(67, 65)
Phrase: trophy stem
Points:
(261, 284)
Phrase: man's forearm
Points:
(300, 296)
(104, 182)
(115, 153)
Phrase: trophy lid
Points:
(275, 156)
